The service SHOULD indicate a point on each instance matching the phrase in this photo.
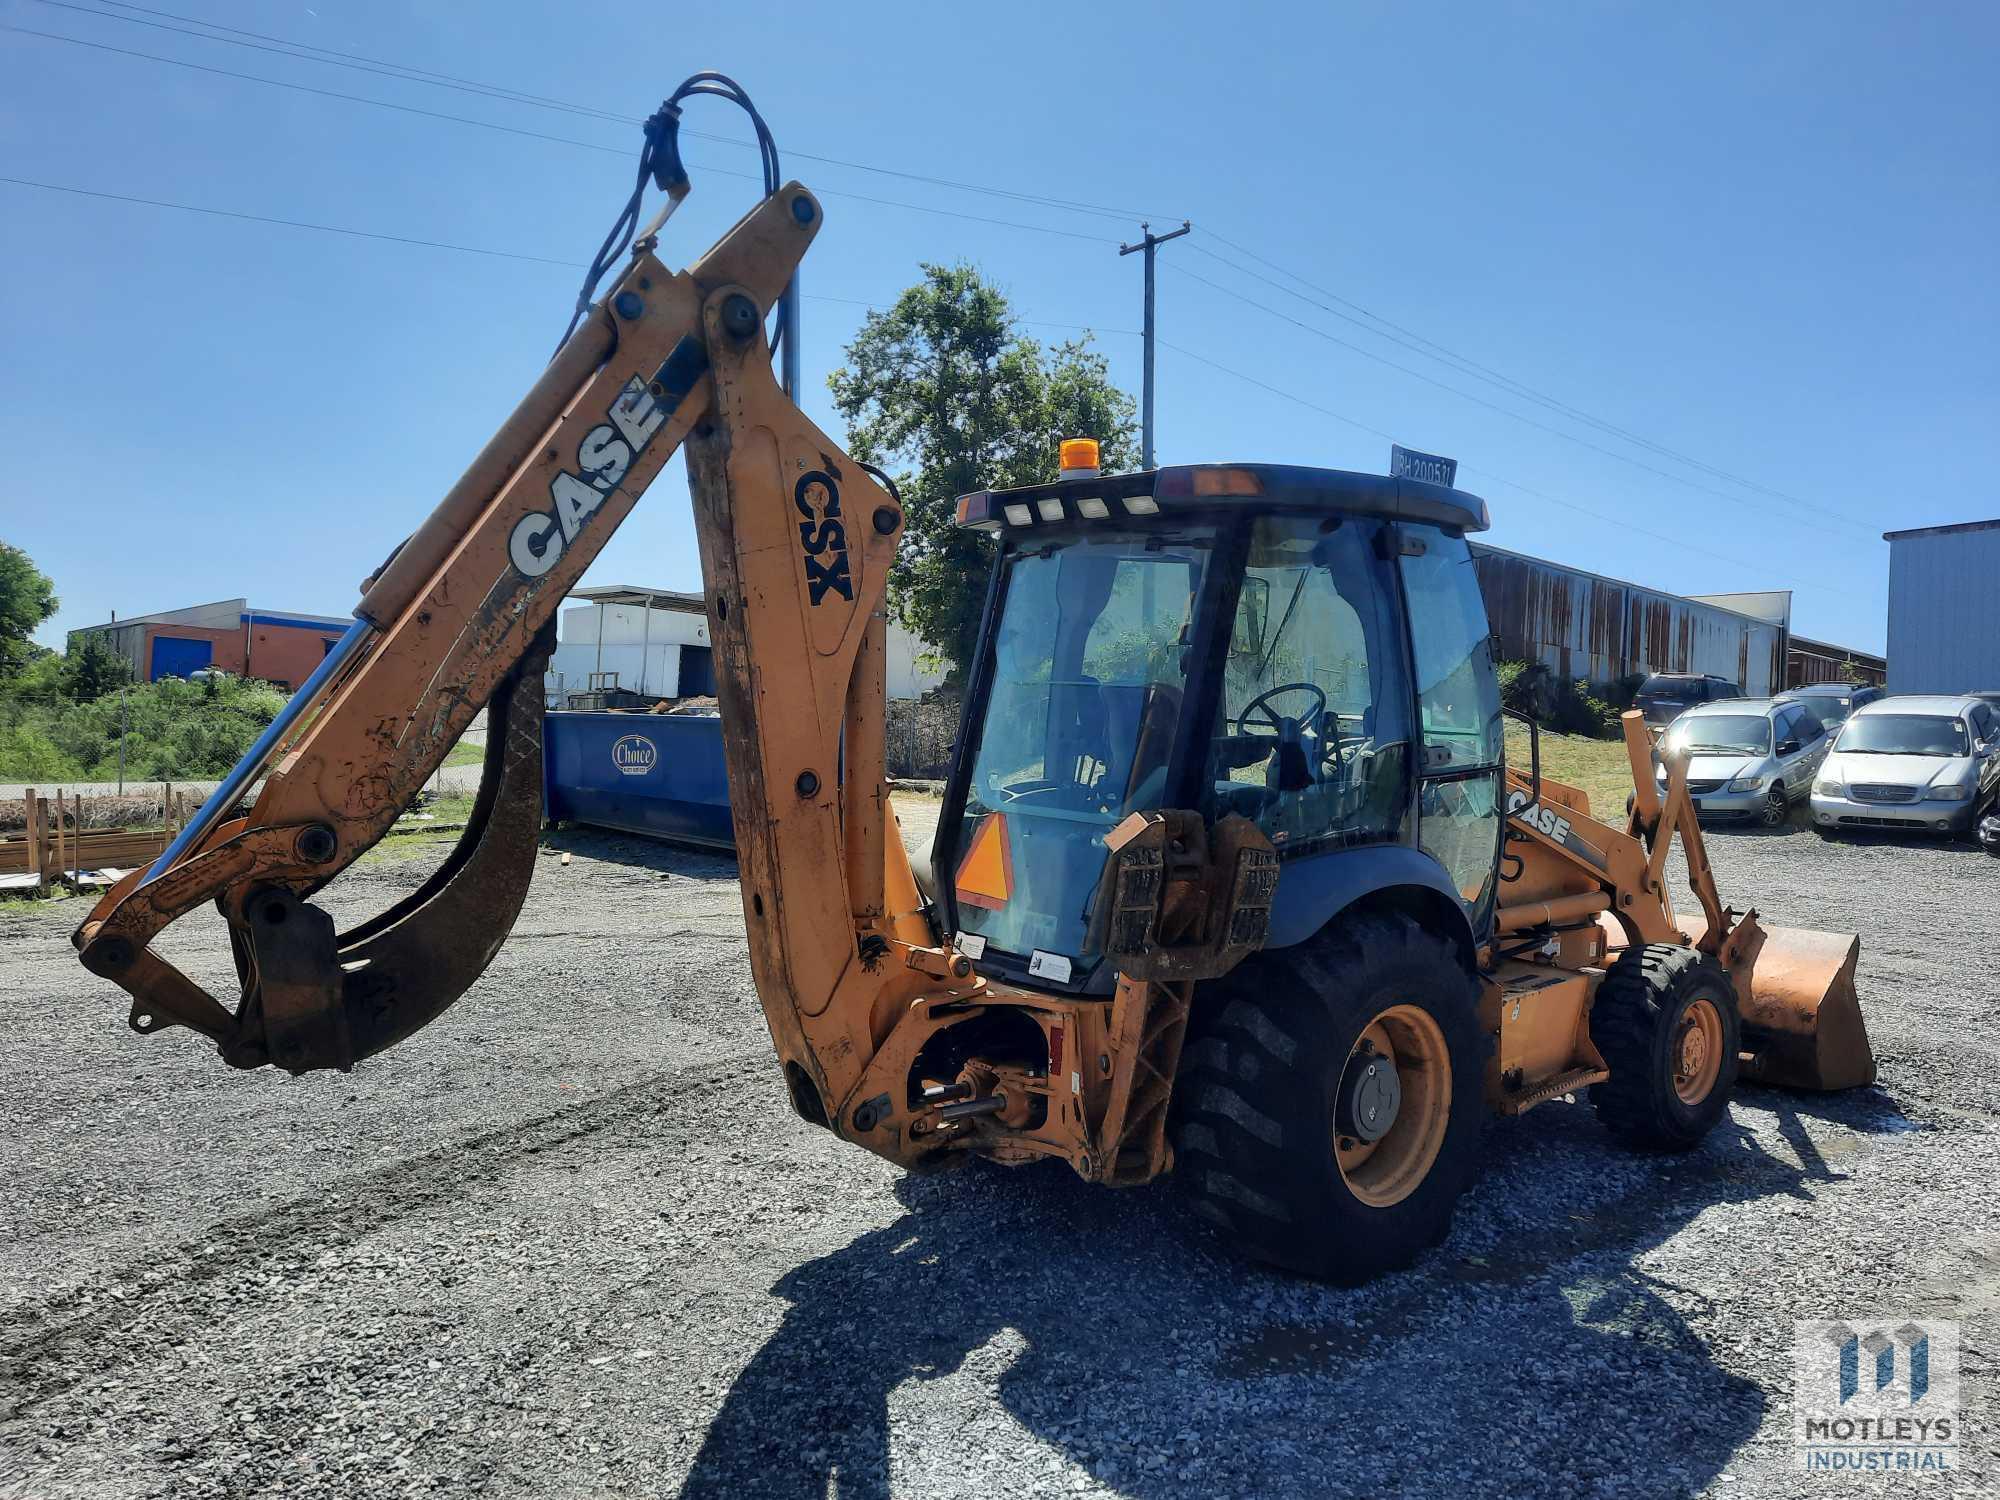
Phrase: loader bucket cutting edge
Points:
(1802, 1022)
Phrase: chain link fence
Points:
(920, 736)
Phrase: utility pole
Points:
(1148, 244)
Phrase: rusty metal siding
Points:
(1809, 661)
(1600, 629)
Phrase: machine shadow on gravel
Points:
(1176, 1369)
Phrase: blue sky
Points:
(1759, 237)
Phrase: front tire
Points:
(1327, 1114)
(1665, 1020)
(1777, 811)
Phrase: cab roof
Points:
(1187, 487)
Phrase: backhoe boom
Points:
(796, 547)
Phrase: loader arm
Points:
(1571, 880)
(796, 544)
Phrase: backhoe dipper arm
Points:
(796, 544)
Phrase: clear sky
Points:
(1759, 237)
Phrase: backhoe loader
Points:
(1232, 874)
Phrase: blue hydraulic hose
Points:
(247, 769)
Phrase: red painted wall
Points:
(284, 654)
(288, 653)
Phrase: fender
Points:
(1315, 889)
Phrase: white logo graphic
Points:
(634, 754)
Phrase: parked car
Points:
(1664, 696)
(1747, 758)
(1831, 702)
(1927, 763)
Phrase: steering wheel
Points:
(1272, 717)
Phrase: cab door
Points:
(1459, 742)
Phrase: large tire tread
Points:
(1631, 1021)
(1252, 1119)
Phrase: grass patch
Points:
(413, 837)
(60, 902)
(1598, 767)
(463, 754)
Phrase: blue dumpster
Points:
(655, 774)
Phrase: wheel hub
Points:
(1694, 1052)
(1370, 1096)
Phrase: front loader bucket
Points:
(1802, 1025)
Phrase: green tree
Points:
(93, 669)
(944, 389)
(27, 597)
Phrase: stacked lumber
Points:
(56, 849)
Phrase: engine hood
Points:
(1895, 770)
(1724, 767)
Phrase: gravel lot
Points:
(570, 1241)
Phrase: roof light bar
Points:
(1019, 515)
(1092, 509)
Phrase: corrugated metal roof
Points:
(1896, 536)
(627, 593)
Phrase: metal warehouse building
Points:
(280, 646)
(1944, 628)
(1600, 629)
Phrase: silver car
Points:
(1750, 758)
(1919, 764)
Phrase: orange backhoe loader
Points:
(1231, 874)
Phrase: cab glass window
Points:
(1458, 696)
(1087, 676)
(1458, 701)
(1313, 739)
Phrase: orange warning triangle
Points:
(986, 874)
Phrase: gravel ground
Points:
(570, 1241)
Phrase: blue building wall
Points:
(1944, 609)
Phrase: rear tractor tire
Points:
(1665, 1020)
(1328, 1110)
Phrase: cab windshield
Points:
(1902, 734)
(1828, 708)
(1708, 734)
(1088, 672)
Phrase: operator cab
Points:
(1304, 647)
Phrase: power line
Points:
(403, 239)
(413, 241)
(1417, 343)
(1365, 353)
(562, 140)
(387, 68)
(1619, 521)
(1399, 334)
(225, 213)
